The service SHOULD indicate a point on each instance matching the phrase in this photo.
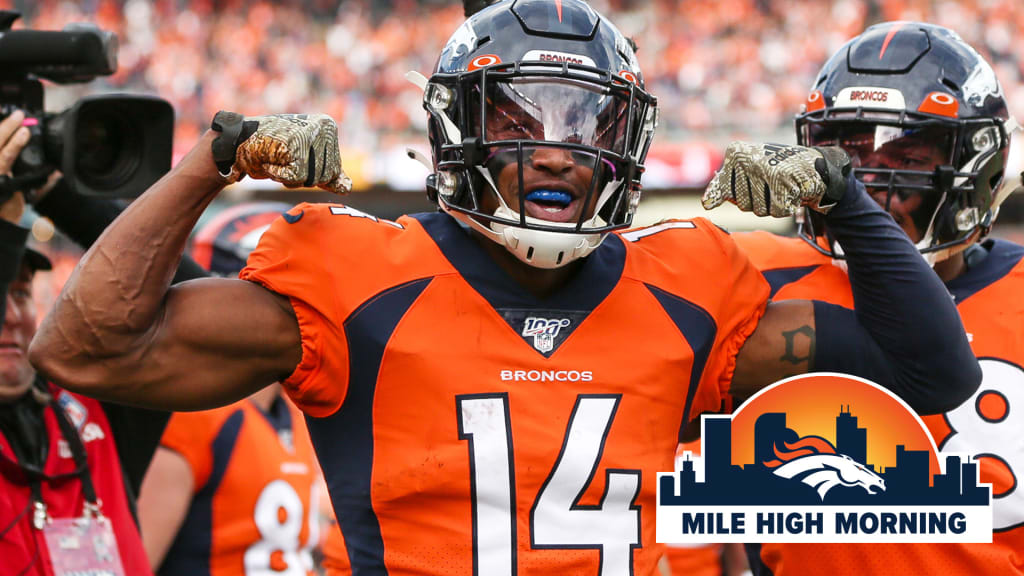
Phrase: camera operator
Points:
(12, 246)
(12, 236)
(63, 457)
(60, 473)
(59, 468)
(111, 145)
(69, 466)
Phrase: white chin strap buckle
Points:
(419, 157)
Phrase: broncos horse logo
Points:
(815, 462)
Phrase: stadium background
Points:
(722, 70)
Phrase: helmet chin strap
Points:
(1007, 186)
(420, 157)
(929, 235)
(931, 258)
(1010, 183)
(538, 248)
(946, 253)
(999, 195)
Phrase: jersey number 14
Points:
(557, 520)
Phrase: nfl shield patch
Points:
(544, 331)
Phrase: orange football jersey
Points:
(254, 510)
(989, 299)
(465, 426)
(794, 270)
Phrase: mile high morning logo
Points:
(822, 458)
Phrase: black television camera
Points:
(110, 144)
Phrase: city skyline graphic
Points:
(822, 458)
(845, 465)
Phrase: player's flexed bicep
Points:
(119, 332)
(216, 341)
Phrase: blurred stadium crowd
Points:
(721, 69)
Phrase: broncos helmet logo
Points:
(815, 462)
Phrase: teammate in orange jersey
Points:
(492, 388)
(936, 161)
(233, 491)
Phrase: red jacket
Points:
(21, 544)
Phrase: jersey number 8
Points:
(278, 515)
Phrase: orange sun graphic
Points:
(812, 403)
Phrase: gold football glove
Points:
(293, 149)
(777, 179)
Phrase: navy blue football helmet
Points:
(523, 78)
(922, 114)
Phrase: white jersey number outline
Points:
(999, 438)
(557, 521)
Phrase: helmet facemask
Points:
(544, 158)
(924, 115)
(940, 174)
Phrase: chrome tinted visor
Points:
(555, 110)
(886, 146)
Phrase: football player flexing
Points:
(923, 117)
(492, 388)
(212, 499)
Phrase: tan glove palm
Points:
(293, 149)
(775, 179)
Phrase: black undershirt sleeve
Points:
(905, 332)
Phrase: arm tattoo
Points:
(792, 336)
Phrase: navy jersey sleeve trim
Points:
(1000, 258)
(698, 328)
(778, 278)
(344, 440)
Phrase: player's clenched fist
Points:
(777, 179)
(293, 149)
